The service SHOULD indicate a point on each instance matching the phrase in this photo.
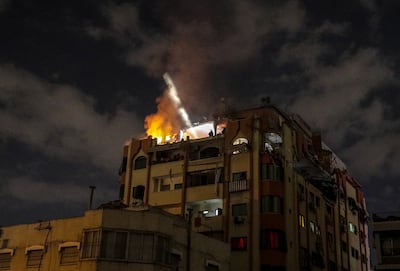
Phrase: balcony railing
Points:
(236, 186)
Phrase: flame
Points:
(166, 125)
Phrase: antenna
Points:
(92, 188)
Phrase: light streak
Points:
(173, 94)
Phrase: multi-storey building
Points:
(145, 239)
(260, 180)
(386, 231)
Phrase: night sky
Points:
(77, 79)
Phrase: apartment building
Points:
(142, 239)
(263, 182)
(386, 232)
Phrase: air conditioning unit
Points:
(239, 219)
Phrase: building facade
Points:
(261, 181)
(386, 232)
(144, 239)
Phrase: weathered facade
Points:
(145, 239)
(386, 232)
(263, 182)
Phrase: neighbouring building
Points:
(260, 180)
(386, 232)
(143, 239)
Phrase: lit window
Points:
(240, 145)
(302, 221)
(352, 228)
(312, 226)
(239, 243)
(272, 239)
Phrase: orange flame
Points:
(164, 125)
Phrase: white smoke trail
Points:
(173, 94)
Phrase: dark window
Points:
(141, 246)
(91, 244)
(272, 239)
(5, 260)
(317, 259)
(271, 204)
(212, 267)
(113, 244)
(122, 168)
(304, 258)
(34, 258)
(239, 243)
(121, 191)
(354, 253)
(344, 246)
(203, 177)
(69, 255)
(332, 266)
(178, 186)
(239, 176)
(209, 152)
(140, 162)
(138, 192)
(271, 172)
(239, 209)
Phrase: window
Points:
(354, 253)
(239, 209)
(209, 152)
(91, 244)
(141, 246)
(212, 266)
(352, 228)
(272, 239)
(165, 185)
(304, 258)
(344, 246)
(317, 259)
(271, 204)
(5, 258)
(175, 258)
(122, 168)
(239, 243)
(34, 256)
(271, 172)
(240, 145)
(140, 162)
(113, 244)
(69, 255)
(239, 176)
(200, 178)
(302, 222)
(312, 226)
(178, 186)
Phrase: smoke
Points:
(198, 43)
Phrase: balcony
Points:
(237, 186)
(205, 224)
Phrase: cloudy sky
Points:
(78, 78)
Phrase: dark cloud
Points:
(77, 80)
